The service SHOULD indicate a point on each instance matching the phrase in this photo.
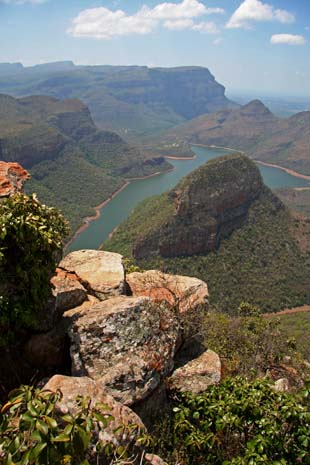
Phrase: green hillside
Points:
(259, 261)
(73, 165)
(132, 100)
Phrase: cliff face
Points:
(209, 204)
(128, 99)
(71, 161)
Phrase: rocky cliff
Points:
(208, 205)
(70, 160)
(132, 100)
(222, 225)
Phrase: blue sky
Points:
(249, 45)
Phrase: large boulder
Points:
(128, 343)
(102, 273)
(12, 178)
(198, 374)
(183, 292)
(123, 417)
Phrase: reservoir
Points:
(118, 209)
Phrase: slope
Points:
(128, 99)
(221, 224)
(254, 129)
(73, 165)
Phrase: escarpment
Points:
(207, 206)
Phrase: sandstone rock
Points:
(282, 385)
(101, 272)
(68, 290)
(12, 178)
(72, 387)
(182, 291)
(198, 374)
(127, 342)
(152, 459)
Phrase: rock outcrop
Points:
(12, 178)
(198, 374)
(102, 272)
(209, 204)
(128, 343)
(182, 292)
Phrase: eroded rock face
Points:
(12, 178)
(209, 204)
(71, 387)
(128, 343)
(182, 292)
(198, 374)
(101, 272)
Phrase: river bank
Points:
(263, 163)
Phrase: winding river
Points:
(118, 209)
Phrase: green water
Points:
(118, 209)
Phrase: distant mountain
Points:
(73, 164)
(254, 129)
(128, 99)
(222, 225)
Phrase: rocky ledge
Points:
(12, 178)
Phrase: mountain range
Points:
(73, 165)
(254, 129)
(131, 100)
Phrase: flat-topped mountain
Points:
(222, 224)
(254, 129)
(128, 99)
(71, 162)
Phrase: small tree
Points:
(31, 236)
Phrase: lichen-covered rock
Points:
(198, 374)
(123, 416)
(282, 385)
(68, 290)
(183, 292)
(101, 272)
(127, 342)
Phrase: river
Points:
(118, 209)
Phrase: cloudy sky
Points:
(249, 45)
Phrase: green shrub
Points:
(34, 432)
(31, 237)
(237, 423)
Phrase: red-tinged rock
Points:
(183, 292)
(68, 290)
(125, 421)
(12, 178)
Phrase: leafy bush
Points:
(34, 432)
(237, 423)
(31, 237)
(247, 345)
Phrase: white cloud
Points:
(288, 39)
(178, 24)
(257, 11)
(103, 23)
(206, 27)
